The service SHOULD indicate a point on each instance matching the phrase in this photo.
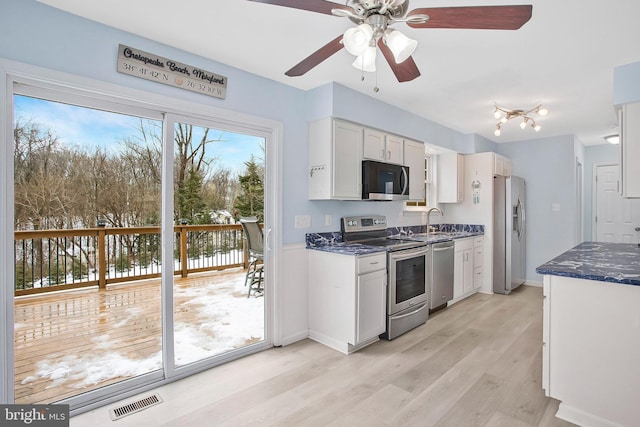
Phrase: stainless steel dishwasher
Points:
(442, 275)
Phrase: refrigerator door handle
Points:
(518, 218)
(523, 218)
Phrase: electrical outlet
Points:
(555, 207)
(328, 219)
(302, 221)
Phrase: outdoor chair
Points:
(255, 244)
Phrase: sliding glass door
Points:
(218, 178)
(87, 238)
(131, 265)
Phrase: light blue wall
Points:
(547, 165)
(483, 145)
(366, 109)
(626, 83)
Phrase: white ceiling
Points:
(563, 57)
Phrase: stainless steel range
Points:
(408, 272)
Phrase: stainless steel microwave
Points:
(384, 181)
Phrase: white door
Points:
(617, 219)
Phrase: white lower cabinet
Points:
(467, 273)
(347, 299)
(591, 349)
(478, 261)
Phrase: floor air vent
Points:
(133, 407)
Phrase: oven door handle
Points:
(425, 306)
(409, 253)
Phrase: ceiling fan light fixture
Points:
(400, 45)
(357, 39)
(498, 131)
(367, 60)
(537, 128)
(497, 114)
(542, 111)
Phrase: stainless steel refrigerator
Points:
(509, 235)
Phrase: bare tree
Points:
(37, 191)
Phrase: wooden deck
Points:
(67, 343)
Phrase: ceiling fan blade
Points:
(316, 57)
(474, 17)
(319, 6)
(404, 71)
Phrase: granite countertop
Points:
(606, 262)
(348, 248)
(439, 236)
(332, 242)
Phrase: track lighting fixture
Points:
(503, 115)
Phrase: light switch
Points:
(303, 221)
(555, 207)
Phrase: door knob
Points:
(637, 228)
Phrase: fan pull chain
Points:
(376, 89)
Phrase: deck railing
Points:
(51, 260)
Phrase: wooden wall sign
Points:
(148, 66)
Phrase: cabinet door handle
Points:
(388, 155)
(374, 263)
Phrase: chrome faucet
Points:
(429, 213)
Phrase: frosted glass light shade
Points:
(400, 45)
(356, 40)
(366, 61)
(612, 139)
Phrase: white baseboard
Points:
(293, 338)
(582, 418)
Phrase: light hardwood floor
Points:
(477, 363)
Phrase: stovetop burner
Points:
(393, 244)
(372, 230)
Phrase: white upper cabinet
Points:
(450, 178)
(501, 165)
(630, 150)
(395, 149)
(382, 147)
(335, 160)
(414, 156)
(374, 145)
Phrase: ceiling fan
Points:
(374, 17)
